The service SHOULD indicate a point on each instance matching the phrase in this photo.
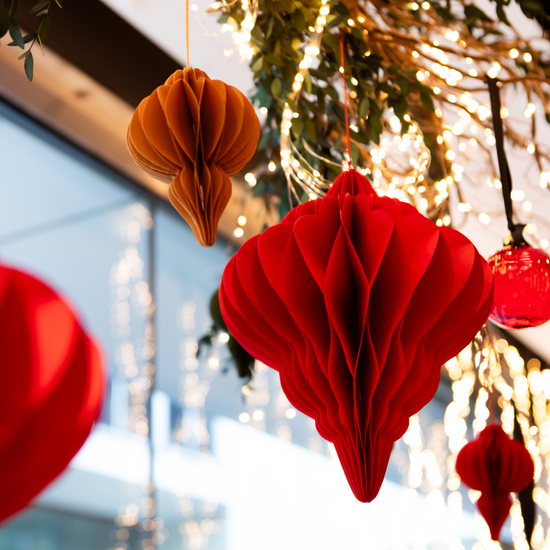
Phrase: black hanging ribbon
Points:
(525, 497)
(505, 178)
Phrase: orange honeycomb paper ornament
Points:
(194, 132)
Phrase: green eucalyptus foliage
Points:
(241, 359)
(9, 25)
(283, 29)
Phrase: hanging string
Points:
(187, 30)
(505, 177)
(343, 66)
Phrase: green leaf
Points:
(257, 65)
(24, 54)
(16, 36)
(331, 40)
(354, 153)
(427, 101)
(531, 6)
(11, 7)
(284, 205)
(307, 83)
(400, 107)
(364, 107)
(259, 188)
(297, 127)
(375, 125)
(29, 66)
(338, 142)
(359, 137)
(342, 9)
(289, 72)
(270, 24)
(385, 87)
(39, 6)
(423, 89)
(223, 19)
(368, 132)
(334, 23)
(276, 87)
(264, 140)
(5, 20)
(404, 85)
(43, 28)
(311, 131)
(392, 69)
(26, 39)
(502, 15)
(356, 33)
(474, 12)
(288, 6)
(299, 20)
(292, 104)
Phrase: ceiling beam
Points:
(103, 45)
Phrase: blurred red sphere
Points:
(522, 287)
(52, 387)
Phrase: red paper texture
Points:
(53, 387)
(194, 132)
(357, 300)
(497, 466)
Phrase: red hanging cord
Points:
(343, 71)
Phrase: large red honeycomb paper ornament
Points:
(53, 382)
(357, 300)
(497, 466)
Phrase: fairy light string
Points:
(456, 69)
(296, 168)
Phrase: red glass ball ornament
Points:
(522, 287)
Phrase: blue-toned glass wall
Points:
(234, 468)
(81, 228)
